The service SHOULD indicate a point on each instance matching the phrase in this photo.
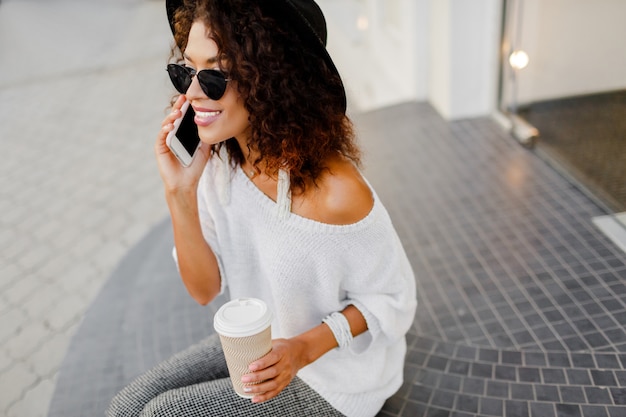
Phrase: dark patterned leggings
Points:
(195, 383)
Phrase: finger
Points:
(171, 117)
(175, 113)
(268, 395)
(160, 145)
(265, 386)
(179, 102)
(266, 361)
(257, 377)
(165, 129)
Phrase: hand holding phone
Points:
(183, 140)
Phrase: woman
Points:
(274, 207)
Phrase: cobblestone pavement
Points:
(82, 92)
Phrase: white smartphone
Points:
(183, 140)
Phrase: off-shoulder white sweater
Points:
(305, 270)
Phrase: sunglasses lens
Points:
(213, 83)
(180, 77)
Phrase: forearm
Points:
(196, 261)
(273, 372)
(320, 339)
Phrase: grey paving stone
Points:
(583, 360)
(450, 383)
(516, 408)
(505, 372)
(5, 360)
(593, 411)
(527, 374)
(459, 367)
(578, 376)
(491, 406)
(547, 393)
(619, 396)
(535, 358)
(597, 395)
(460, 414)
(11, 322)
(568, 410)
(17, 377)
(558, 359)
(621, 378)
(522, 392)
(603, 378)
(608, 361)
(467, 403)
(46, 360)
(615, 411)
(443, 399)
(481, 370)
(35, 401)
(553, 376)
(489, 355)
(572, 394)
(27, 340)
(473, 386)
(542, 410)
(420, 394)
(427, 377)
(415, 409)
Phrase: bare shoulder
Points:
(341, 196)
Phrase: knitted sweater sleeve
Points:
(210, 179)
(379, 281)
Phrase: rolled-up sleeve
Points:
(380, 282)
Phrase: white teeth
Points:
(204, 114)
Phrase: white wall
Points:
(465, 39)
(440, 65)
(575, 47)
(443, 51)
(386, 62)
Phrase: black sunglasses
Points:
(212, 82)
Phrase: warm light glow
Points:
(518, 59)
(362, 23)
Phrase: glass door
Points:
(563, 86)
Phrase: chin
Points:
(211, 139)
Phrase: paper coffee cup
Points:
(244, 327)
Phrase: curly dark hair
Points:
(297, 117)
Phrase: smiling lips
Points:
(206, 117)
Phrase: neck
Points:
(249, 156)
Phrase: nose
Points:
(195, 91)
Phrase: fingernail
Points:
(247, 389)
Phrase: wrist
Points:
(315, 343)
(182, 199)
(181, 194)
(340, 327)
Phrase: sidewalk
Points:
(82, 91)
(522, 305)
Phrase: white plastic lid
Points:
(242, 317)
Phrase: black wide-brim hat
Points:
(304, 16)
